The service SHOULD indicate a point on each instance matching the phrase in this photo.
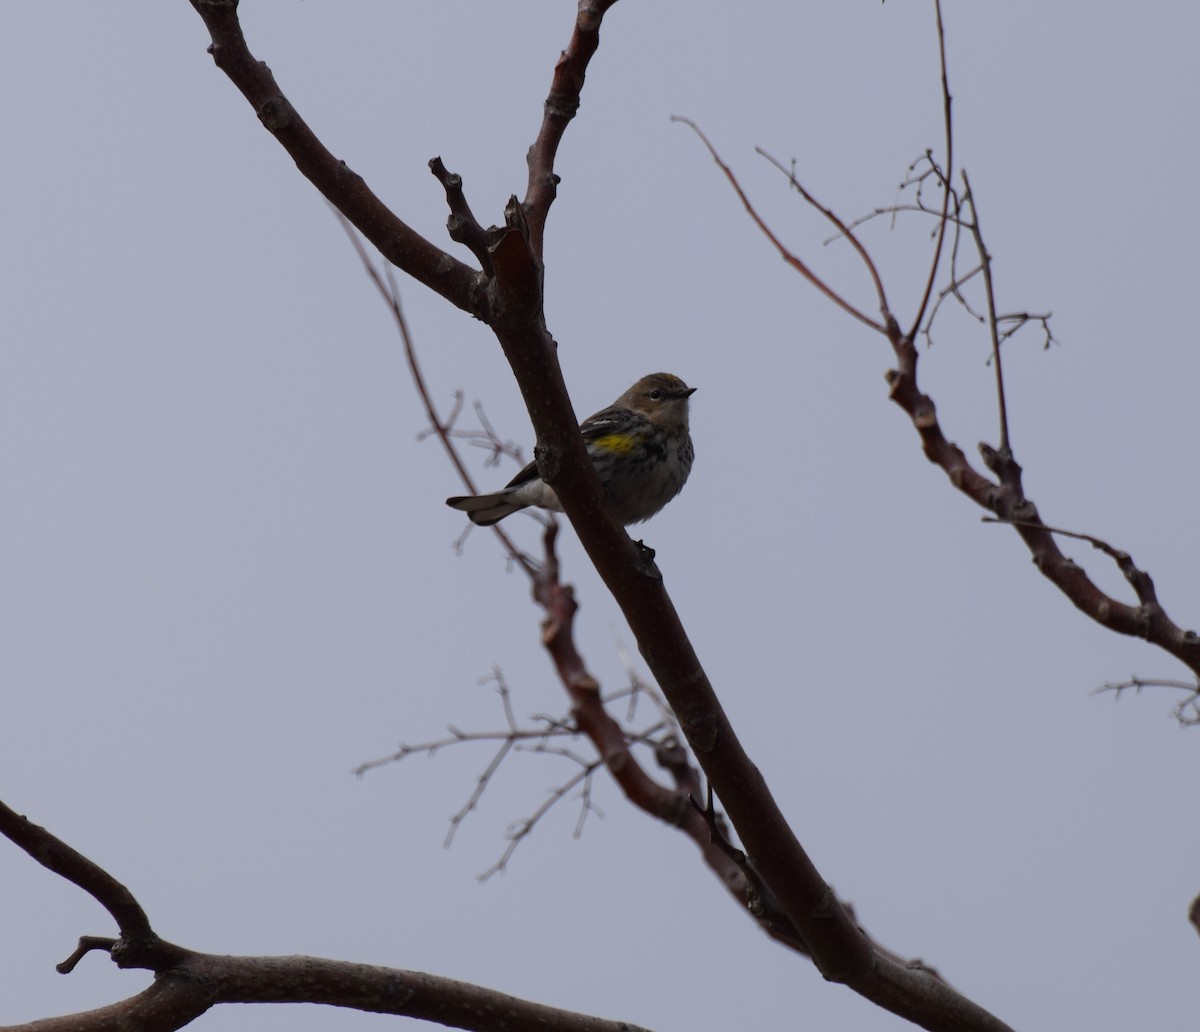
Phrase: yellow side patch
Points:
(619, 444)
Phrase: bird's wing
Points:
(591, 428)
(527, 474)
(599, 424)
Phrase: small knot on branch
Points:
(275, 114)
(1024, 511)
(590, 15)
(645, 561)
(549, 461)
(702, 733)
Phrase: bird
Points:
(640, 446)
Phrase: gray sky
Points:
(228, 575)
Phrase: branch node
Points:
(1025, 511)
(924, 416)
(645, 560)
(275, 114)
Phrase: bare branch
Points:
(1186, 711)
(389, 290)
(1006, 498)
(561, 106)
(945, 177)
(795, 262)
(512, 303)
(519, 831)
(985, 263)
(190, 983)
(485, 437)
(462, 224)
(844, 231)
(1140, 581)
(1017, 321)
(399, 243)
(57, 856)
(509, 739)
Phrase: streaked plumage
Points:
(640, 446)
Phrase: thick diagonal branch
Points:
(403, 246)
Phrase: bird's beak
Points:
(688, 393)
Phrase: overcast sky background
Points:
(229, 576)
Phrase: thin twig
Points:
(795, 262)
(985, 262)
(893, 210)
(1186, 711)
(844, 231)
(1141, 582)
(946, 176)
(389, 290)
(522, 829)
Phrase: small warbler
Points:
(640, 447)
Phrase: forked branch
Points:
(403, 246)
(1002, 493)
(190, 983)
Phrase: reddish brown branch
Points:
(561, 106)
(840, 950)
(462, 225)
(844, 231)
(1005, 495)
(398, 242)
(738, 871)
(607, 736)
(1139, 580)
(989, 290)
(512, 306)
(1007, 500)
(793, 260)
(390, 292)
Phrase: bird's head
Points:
(660, 397)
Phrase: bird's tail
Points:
(486, 509)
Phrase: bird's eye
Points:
(656, 395)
